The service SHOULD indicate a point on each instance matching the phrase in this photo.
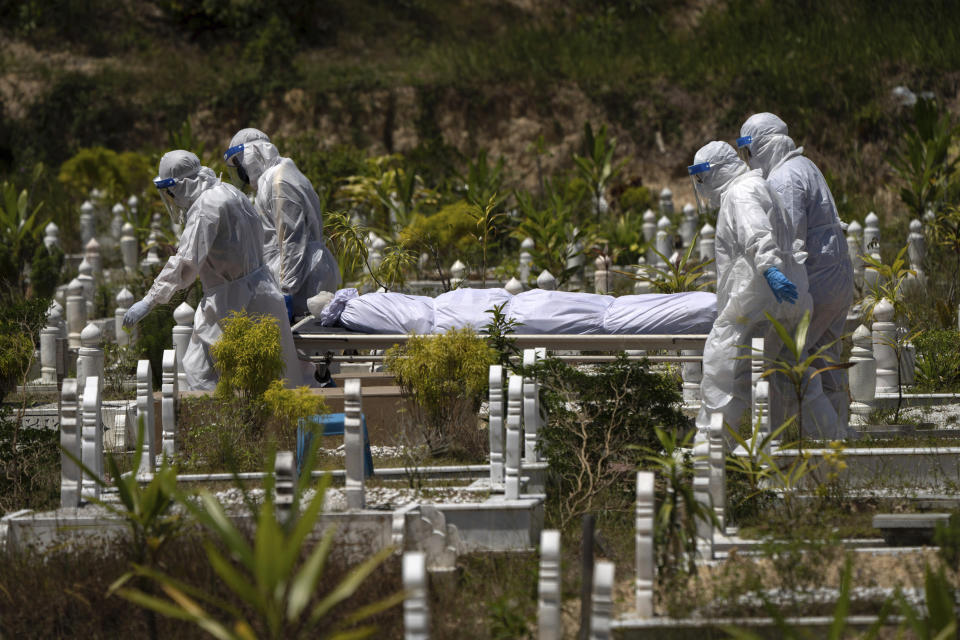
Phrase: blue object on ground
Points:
(333, 425)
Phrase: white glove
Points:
(135, 313)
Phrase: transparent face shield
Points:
(165, 187)
(697, 171)
(238, 175)
(743, 148)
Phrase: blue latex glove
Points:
(781, 286)
(288, 300)
(135, 313)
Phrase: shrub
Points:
(595, 415)
(446, 377)
(289, 406)
(938, 360)
(217, 434)
(247, 356)
(119, 174)
(447, 235)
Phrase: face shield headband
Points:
(696, 172)
(743, 148)
(238, 175)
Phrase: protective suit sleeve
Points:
(183, 267)
(755, 235)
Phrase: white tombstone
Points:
(183, 316)
(48, 349)
(640, 286)
(90, 354)
(85, 276)
(87, 223)
(132, 204)
(855, 250)
(701, 492)
(152, 258)
(148, 457)
(169, 396)
(708, 250)
(129, 249)
(496, 425)
(649, 229)
(884, 352)
(688, 228)
(863, 377)
(353, 444)
(76, 312)
(692, 373)
(666, 201)
(116, 223)
(512, 462)
(602, 280)
(94, 256)
(532, 420)
(416, 605)
(124, 300)
(718, 468)
(645, 562)
(760, 386)
(514, 286)
(458, 273)
(377, 247)
(550, 601)
(526, 258)
(546, 281)
(70, 441)
(601, 606)
(92, 439)
(284, 474)
(871, 233)
(664, 240)
(916, 251)
(51, 236)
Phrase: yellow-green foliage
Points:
(452, 229)
(120, 174)
(446, 377)
(16, 350)
(288, 406)
(247, 356)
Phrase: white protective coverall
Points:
(810, 207)
(222, 244)
(752, 235)
(292, 220)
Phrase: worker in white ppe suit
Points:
(291, 215)
(810, 207)
(222, 244)
(759, 269)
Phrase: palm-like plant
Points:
(553, 233)
(684, 274)
(277, 591)
(596, 166)
(797, 365)
(20, 229)
(348, 242)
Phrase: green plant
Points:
(940, 621)
(289, 406)
(118, 174)
(266, 574)
(596, 166)
(751, 471)
(683, 275)
(487, 218)
(947, 539)
(795, 365)
(214, 434)
(447, 235)
(20, 229)
(119, 365)
(553, 232)
(247, 355)
(595, 417)
(348, 240)
(446, 376)
(938, 361)
(675, 526)
(498, 332)
(839, 625)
